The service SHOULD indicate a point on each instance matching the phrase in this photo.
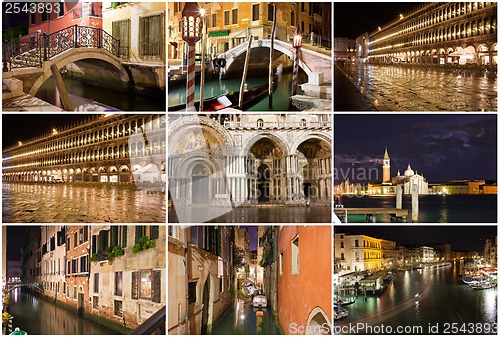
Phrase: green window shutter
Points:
(114, 236)
(135, 285)
(94, 244)
(155, 232)
(156, 286)
(124, 236)
(138, 233)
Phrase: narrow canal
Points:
(419, 301)
(243, 319)
(216, 87)
(38, 316)
(123, 101)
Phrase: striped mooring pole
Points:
(190, 78)
(295, 71)
(297, 43)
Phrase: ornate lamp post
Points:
(297, 43)
(191, 33)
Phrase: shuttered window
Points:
(121, 31)
(151, 36)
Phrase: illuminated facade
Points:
(100, 148)
(228, 22)
(436, 33)
(357, 253)
(250, 159)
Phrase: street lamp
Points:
(297, 43)
(191, 33)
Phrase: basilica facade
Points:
(235, 159)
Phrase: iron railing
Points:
(154, 325)
(43, 47)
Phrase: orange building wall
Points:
(299, 294)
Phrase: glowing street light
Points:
(191, 33)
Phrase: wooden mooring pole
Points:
(244, 77)
(61, 87)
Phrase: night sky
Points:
(441, 147)
(461, 238)
(17, 127)
(351, 19)
(252, 232)
(10, 20)
(15, 240)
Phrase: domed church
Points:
(408, 179)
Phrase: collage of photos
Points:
(415, 168)
(342, 179)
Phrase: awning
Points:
(219, 33)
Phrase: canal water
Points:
(38, 316)
(428, 301)
(123, 101)
(432, 208)
(216, 87)
(243, 319)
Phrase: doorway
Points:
(264, 177)
(199, 189)
(206, 304)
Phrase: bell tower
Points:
(386, 169)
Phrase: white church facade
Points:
(408, 179)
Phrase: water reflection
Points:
(124, 101)
(242, 319)
(318, 214)
(40, 317)
(401, 88)
(216, 87)
(427, 297)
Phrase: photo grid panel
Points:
(84, 149)
(250, 185)
(415, 168)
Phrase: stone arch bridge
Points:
(317, 66)
(33, 78)
(88, 49)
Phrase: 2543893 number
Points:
(469, 328)
(42, 7)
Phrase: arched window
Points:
(260, 123)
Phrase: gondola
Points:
(250, 97)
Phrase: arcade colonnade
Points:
(100, 148)
(439, 33)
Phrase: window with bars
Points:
(151, 36)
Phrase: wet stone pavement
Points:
(34, 203)
(408, 88)
(264, 214)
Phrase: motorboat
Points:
(339, 312)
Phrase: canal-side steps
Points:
(11, 87)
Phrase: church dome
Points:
(409, 172)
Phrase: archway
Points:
(314, 169)
(200, 181)
(318, 323)
(270, 160)
(205, 316)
